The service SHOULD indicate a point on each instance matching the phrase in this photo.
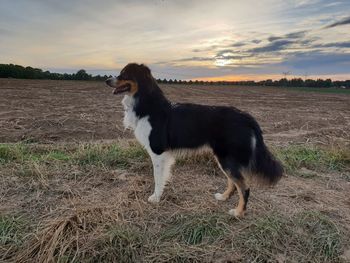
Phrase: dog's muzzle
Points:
(112, 82)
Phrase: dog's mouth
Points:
(122, 88)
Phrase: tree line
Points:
(284, 82)
(20, 72)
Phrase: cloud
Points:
(238, 44)
(273, 46)
(344, 21)
(345, 44)
(193, 59)
(230, 57)
(318, 62)
(303, 3)
(274, 38)
(224, 51)
(293, 35)
(210, 48)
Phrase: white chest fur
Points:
(142, 132)
(130, 119)
(141, 127)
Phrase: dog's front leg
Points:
(162, 172)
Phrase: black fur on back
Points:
(227, 130)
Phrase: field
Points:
(74, 184)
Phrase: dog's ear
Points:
(146, 71)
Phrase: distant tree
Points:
(82, 75)
(296, 82)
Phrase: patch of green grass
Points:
(320, 90)
(12, 153)
(320, 234)
(110, 155)
(314, 158)
(294, 157)
(120, 244)
(306, 237)
(195, 229)
(57, 155)
(11, 230)
(177, 253)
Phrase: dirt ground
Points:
(50, 111)
(61, 113)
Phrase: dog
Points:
(164, 129)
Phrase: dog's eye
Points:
(123, 77)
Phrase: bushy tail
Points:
(264, 164)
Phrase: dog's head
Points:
(132, 79)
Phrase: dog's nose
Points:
(111, 81)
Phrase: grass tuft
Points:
(57, 155)
(314, 158)
(105, 155)
(12, 153)
(195, 229)
(309, 236)
(62, 239)
(110, 155)
(12, 234)
(320, 234)
(11, 230)
(120, 244)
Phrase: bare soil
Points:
(50, 111)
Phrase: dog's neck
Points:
(149, 103)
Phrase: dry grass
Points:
(95, 236)
(305, 237)
(87, 203)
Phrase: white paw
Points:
(220, 197)
(236, 213)
(153, 199)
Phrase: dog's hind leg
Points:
(162, 172)
(243, 193)
(230, 186)
(233, 171)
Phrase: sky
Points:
(180, 39)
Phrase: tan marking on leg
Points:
(239, 210)
(230, 186)
(228, 192)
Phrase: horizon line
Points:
(225, 78)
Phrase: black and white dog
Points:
(164, 129)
